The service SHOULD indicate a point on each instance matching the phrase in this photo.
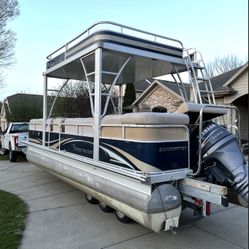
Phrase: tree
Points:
(74, 89)
(73, 101)
(223, 65)
(130, 94)
(9, 9)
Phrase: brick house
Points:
(230, 88)
(159, 93)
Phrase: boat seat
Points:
(36, 124)
(57, 124)
(112, 126)
(193, 111)
(79, 126)
(111, 119)
(150, 118)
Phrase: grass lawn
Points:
(13, 213)
(4, 157)
(20, 158)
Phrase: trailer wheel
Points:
(122, 217)
(12, 155)
(91, 199)
(104, 207)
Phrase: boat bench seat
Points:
(147, 118)
(56, 125)
(112, 126)
(36, 124)
(193, 111)
(80, 126)
(126, 126)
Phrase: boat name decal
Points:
(81, 150)
(175, 148)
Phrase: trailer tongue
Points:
(145, 166)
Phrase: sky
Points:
(217, 28)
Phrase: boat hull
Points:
(155, 207)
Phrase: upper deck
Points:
(151, 54)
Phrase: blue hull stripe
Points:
(162, 155)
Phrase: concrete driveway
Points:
(60, 217)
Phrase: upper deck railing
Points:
(123, 29)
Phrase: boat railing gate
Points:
(234, 125)
(123, 29)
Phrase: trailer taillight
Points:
(16, 139)
(208, 208)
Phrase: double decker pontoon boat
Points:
(146, 166)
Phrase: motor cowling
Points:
(222, 159)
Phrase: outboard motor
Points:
(222, 160)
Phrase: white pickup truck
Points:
(12, 139)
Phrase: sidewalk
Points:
(60, 217)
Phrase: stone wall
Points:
(161, 97)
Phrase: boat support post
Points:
(45, 109)
(97, 102)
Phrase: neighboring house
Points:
(23, 107)
(20, 107)
(3, 118)
(159, 93)
(230, 88)
(141, 86)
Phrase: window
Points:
(19, 128)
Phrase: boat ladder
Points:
(200, 84)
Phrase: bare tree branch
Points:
(9, 9)
(223, 65)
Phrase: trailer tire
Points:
(122, 217)
(12, 155)
(104, 207)
(91, 199)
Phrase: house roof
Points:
(141, 85)
(221, 82)
(23, 95)
(23, 107)
(28, 98)
(237, 74)
(221, 79)
(170, 86)
(174, 87)
(224, 91)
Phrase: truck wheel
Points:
(90, 199)
(104, 207)
(122, 217)
(12, 155)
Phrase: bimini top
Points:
(152, 54)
